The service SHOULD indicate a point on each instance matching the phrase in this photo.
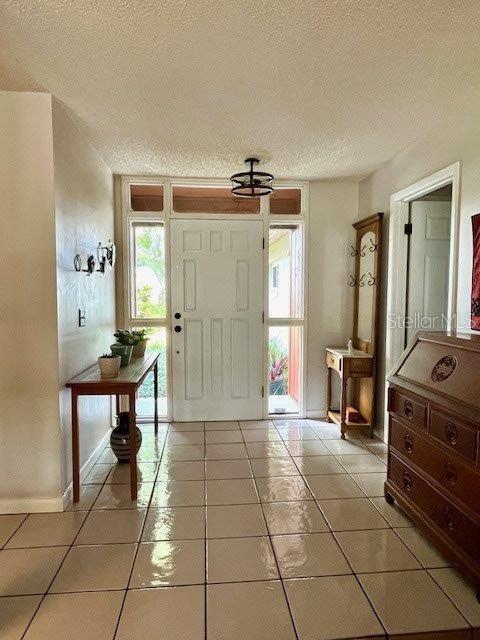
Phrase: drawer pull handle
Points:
(407, 481)
(450, 473)
(408, 442)
(451, 431)
(408, 409)
(449, 519)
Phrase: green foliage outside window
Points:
(150, 254)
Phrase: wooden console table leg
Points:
(75, 449)
(155, 395)
(343, 409)
(132, 423)
(329, 392)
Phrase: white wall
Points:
(333, 209)
(29, 415)
(84, 217)
(57, 200)
(457, 139)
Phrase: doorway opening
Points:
(428, 262)
(217, 284)
(400, 254)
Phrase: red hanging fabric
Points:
(475, 322)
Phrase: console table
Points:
(129, 379)
(348, 364)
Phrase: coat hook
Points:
(353, 251)
(362, 283)
(352, 281)
(373, 246)
(371, 279)
(362, 250)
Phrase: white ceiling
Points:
(316, 88)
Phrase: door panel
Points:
(429, 254)
(217, 286)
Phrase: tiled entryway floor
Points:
(242, 531)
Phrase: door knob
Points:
(177, 316)
(177, 328)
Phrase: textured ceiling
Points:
(316, 88)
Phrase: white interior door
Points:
(428, 272)
(217, 342)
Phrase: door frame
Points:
(397, 258)
(124, 278)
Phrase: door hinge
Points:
(408, 229)
(263, 391)
(263, 243)
(263, 317)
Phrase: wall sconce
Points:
(106, 256)
(77, 263)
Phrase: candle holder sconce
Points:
(106, 255)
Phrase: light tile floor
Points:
(242, 531)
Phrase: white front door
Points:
(217, 330)
(428, 271)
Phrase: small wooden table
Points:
(129, 379)
(348, 364)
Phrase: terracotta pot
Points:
(139, 349)
(109, 367)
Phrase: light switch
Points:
(81, 318)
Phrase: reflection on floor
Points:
(280, 529)
(145, 407)
(282, 404)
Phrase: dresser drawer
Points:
(458, 478)
(458, 527)
(333, 361)
(408, 407)
(460, 438)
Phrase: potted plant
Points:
(135, 339)
(124, 351)
(140, 344)
(109, 365)
(278, 368)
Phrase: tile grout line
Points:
(427, 571)
(3, 547)
(44, 595)
(348, 562)
(273, 551)
(102, 485)
(137, 545)
(332, 533)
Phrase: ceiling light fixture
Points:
(252, 184)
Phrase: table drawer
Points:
(410, 408)
(458, 478)
(458, 527)
(333, 361)
(460, 438)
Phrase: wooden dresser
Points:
(434, 443)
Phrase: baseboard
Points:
(30, 505)
(43, 505)
(84, 471)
